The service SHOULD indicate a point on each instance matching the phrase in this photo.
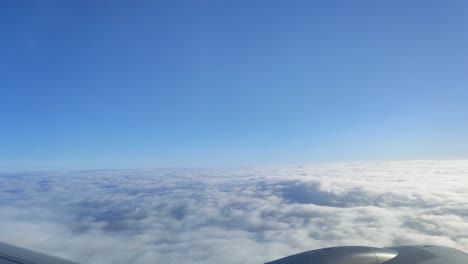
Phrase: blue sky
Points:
(128, 84)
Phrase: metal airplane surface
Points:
(420, 254)
(15, 255)
(417, 254)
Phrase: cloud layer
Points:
(237, 215)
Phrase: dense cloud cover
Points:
(237, 215)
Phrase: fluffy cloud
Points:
(238, 215)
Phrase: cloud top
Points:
(237, 215)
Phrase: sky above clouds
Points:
(236, 215)
(145, 84)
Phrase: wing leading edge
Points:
(10, 254)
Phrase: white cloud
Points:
(242, 215)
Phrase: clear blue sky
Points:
(128, 84)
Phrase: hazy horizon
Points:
(248, 166)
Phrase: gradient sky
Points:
(128, 84)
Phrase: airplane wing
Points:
(423, 254)
(419, 254)
(15, 255)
